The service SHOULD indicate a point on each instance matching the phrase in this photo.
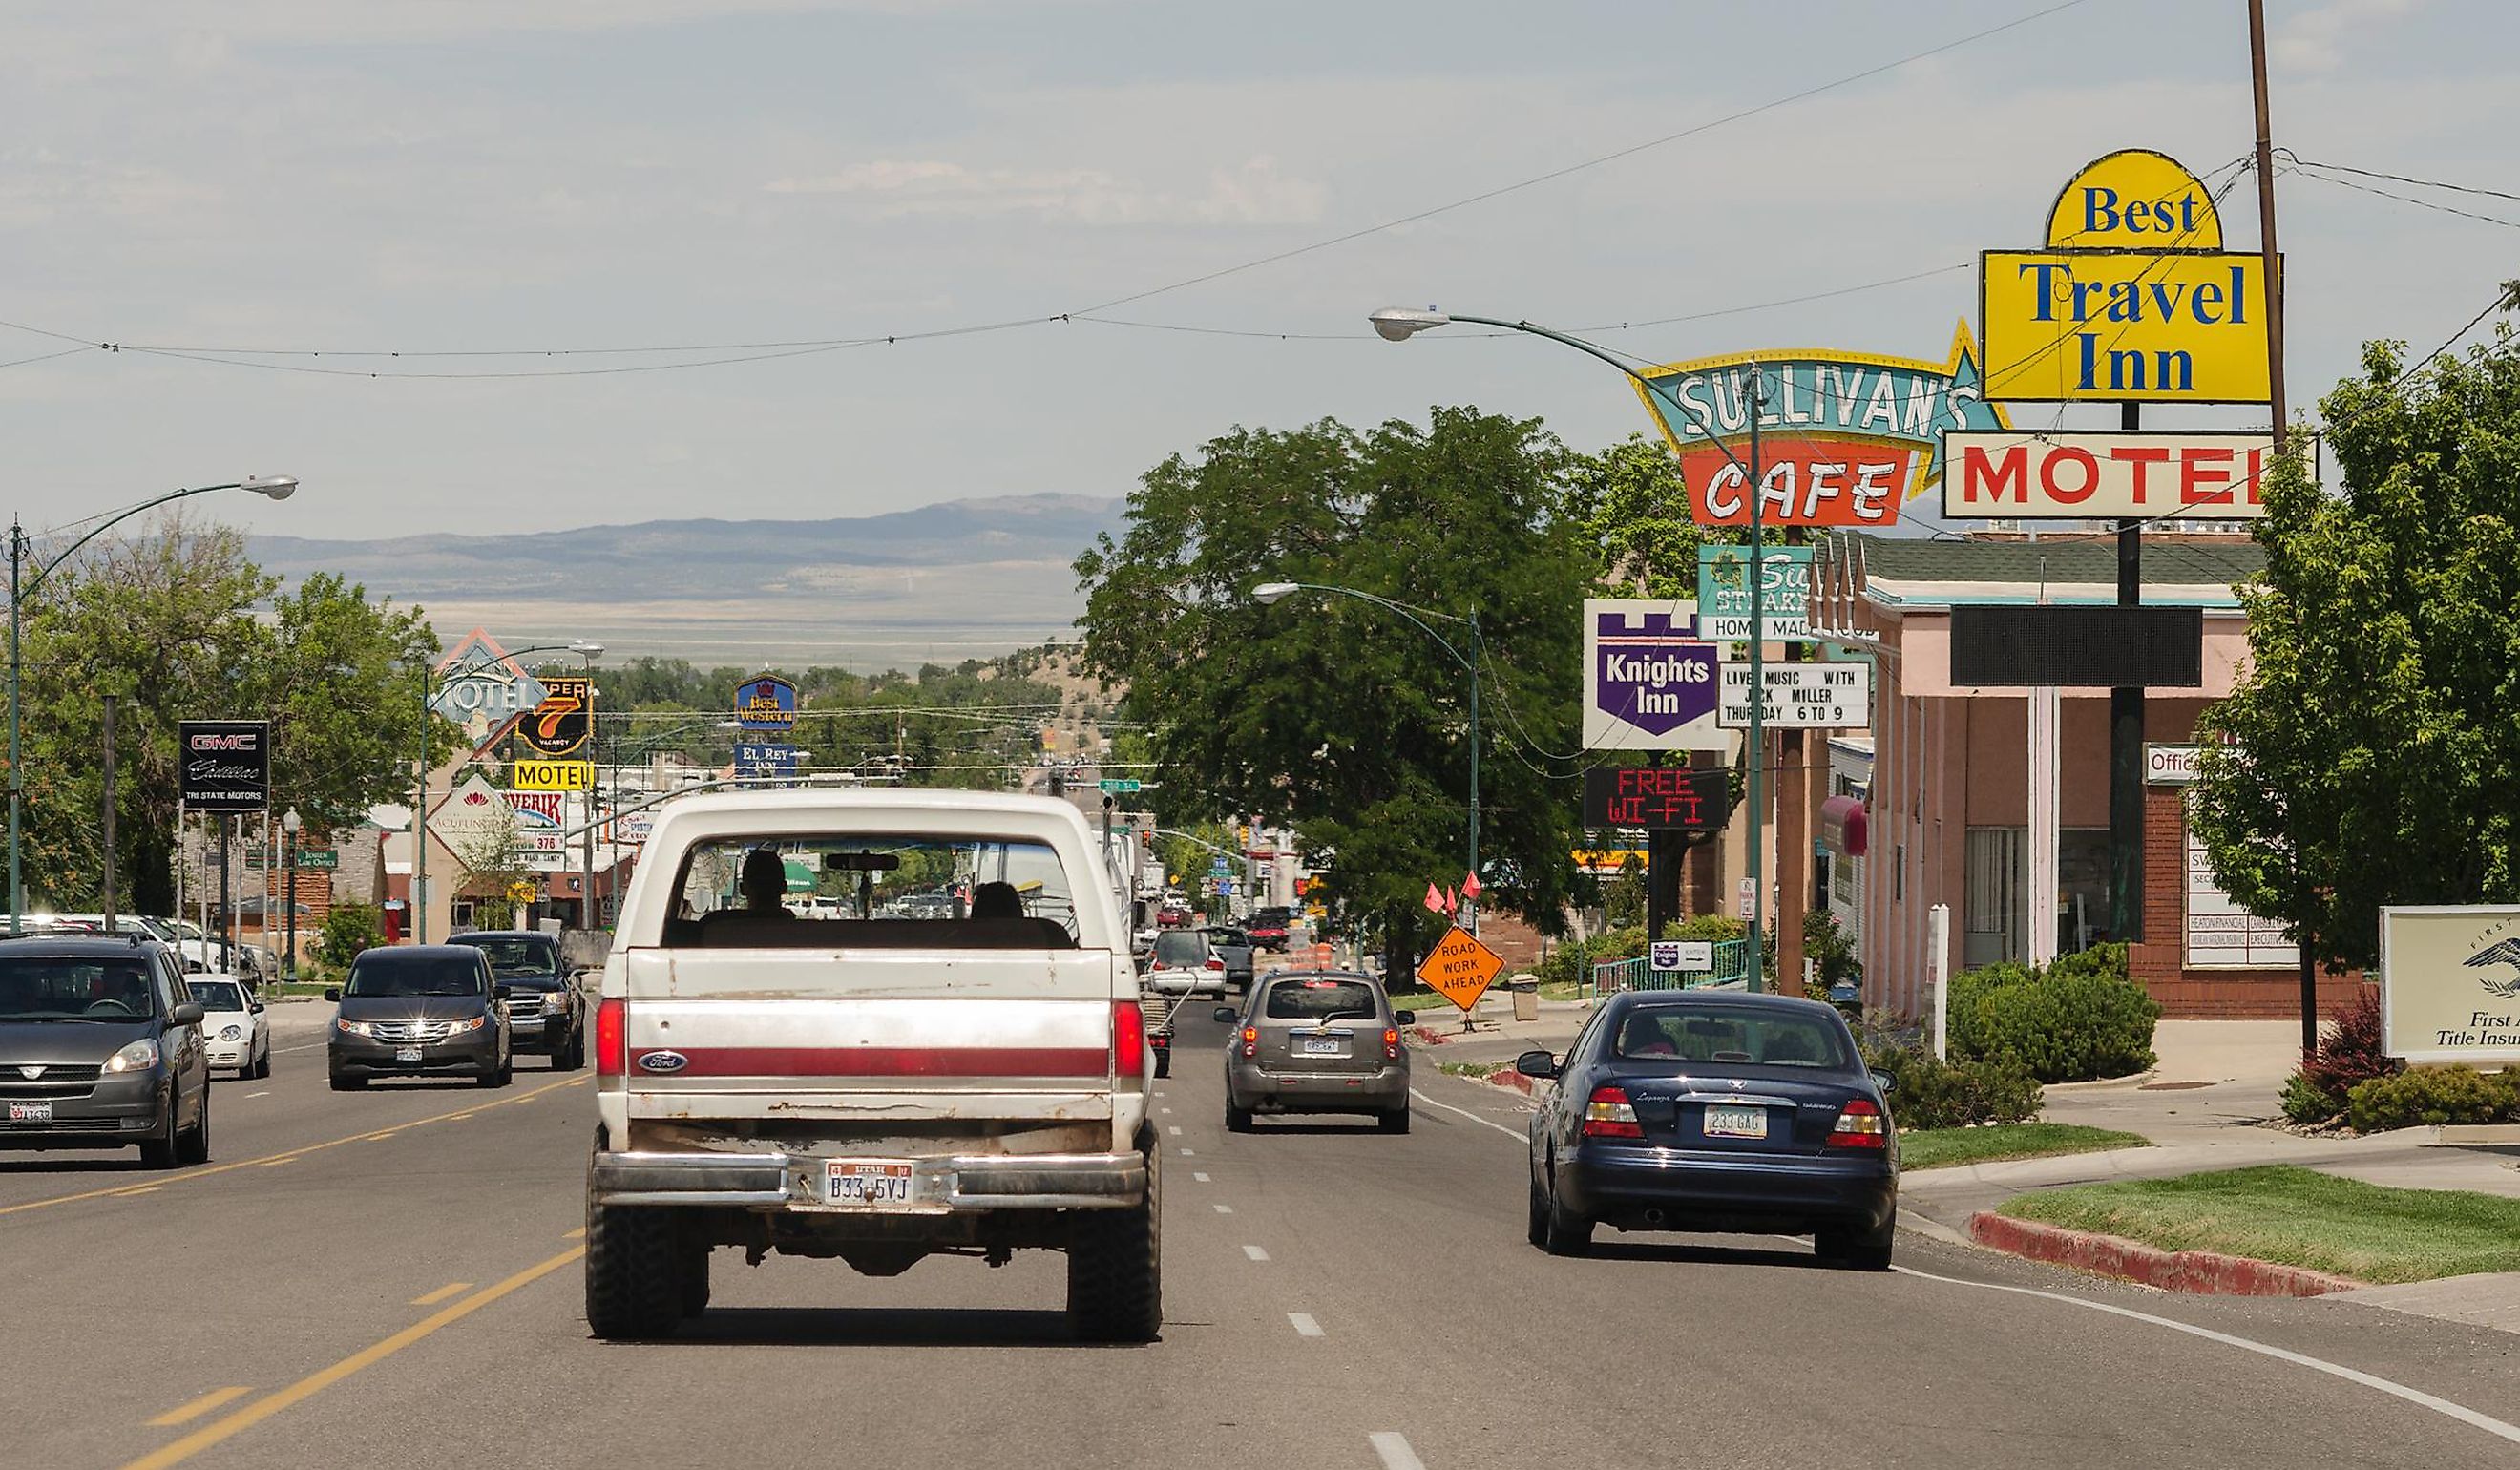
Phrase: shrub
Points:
(1936, 1093)
(2433, 1095)
(2080, 1018)
(2352, 1050)
(1716, 926)
(2306, 1102)
(347, 929)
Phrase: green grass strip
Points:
(1941, 1147)
(2297, 1217)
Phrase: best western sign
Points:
(2199, 474)
(1845, 438)
(2134, 299)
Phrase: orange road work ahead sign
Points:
(1459, 969)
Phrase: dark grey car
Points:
(421, 1010)
(100, 1047)
(1316, 1042)
(546, 1011)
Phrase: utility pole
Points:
(2125, 754)
(107, 814)
(1758, 732)
(2271, 260)
(227, 896)
(420, 825)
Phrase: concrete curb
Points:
(1510, 1078)
(2199, 1272)
(2105, 1084)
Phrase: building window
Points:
(1992, 906)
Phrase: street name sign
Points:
(2134, 299)
(1459, 967)
(1121, 785)
(2201, 474)
(319, 859)
(1802, 696)
(1724, 593)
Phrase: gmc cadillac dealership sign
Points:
(1845, 439)
(225, 765)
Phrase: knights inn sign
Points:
(1845, 439)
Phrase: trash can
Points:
(1526, 996)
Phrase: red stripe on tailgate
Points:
(887, 1061)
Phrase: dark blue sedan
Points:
(1715, 1111)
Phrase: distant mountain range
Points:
(938, 583)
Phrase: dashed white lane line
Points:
(1304, 1324)
(1173, 1129)
(1511, 1133)
(1168, 1111)
(1392, 1448)
(1255, 1253)
(2460, 1411)
(1225, 1209)
(1201, 1177)
(266, 1094)
(1187, 1153)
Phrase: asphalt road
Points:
(391, 1277)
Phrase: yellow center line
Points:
(218, 1430)
(289, 1153)
(276, 1162)
(440, 1294)
(199, 1406)
(577, 1235)
(126, 1193)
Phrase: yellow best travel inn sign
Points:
(2134, 299)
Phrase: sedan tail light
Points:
(1608, 1115)
(611, 1037)
(1251, 1041)
(1859, 1125)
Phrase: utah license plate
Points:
(859, 1181)
(406, 1053)
(31, 1112)
(1736, 1121)
(1325, 1045)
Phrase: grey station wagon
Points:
(1316, 1042)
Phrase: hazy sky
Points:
(457, 175)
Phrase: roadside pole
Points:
(1938, 965)
(419, 925)
(1758, 734)
(107, 814)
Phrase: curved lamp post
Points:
(272, 486)
(1271, 591)
(1399, 325)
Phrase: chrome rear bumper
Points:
(949, 1184)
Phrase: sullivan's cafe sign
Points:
(1845, 438)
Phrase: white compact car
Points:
(1185, 963)
(235, 1029)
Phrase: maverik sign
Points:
(2134, 299)
(1845, 439)
(1648, 679)
(483, 689)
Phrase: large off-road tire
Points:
(636, 1283)
(194, 1147)
(159, 1152)
(695, 1278)
(1115, 1269)
(1858, 1250)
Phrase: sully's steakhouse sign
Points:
(1845, 439)
(1649, 679)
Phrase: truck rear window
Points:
(888, 891)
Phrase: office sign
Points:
(765, 702)
(1801, 696)
(483, 691)
(1648, 679)
(319, 859)
(2201, 474)
(1845, 438)
(2134, 299)
(560, 723)
(1670, 797)
(2222, 935)
(224, 765)
(1724, 593)
(2450, 983)
(552, 776)
(2168, 764)
(766, 760)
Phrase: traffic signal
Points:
(1057, 783)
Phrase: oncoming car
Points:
(234, 1031)
(1316, 1042)
(1714, 1111)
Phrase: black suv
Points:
(100, 1047)
(546, 1010)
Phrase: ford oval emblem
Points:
(664, 1061)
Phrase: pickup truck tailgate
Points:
(868, 1036)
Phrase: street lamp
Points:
(291, 823)
(273, 487)
(1399, 325)
(1267, 593)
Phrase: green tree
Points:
(1336, 716)
(495, 869)
(1633, 507)
(2372, 753)
(347, 929)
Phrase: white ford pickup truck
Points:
(954, 1064)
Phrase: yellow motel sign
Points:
(552, 776)
(2134, 299)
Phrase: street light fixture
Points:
(291, 823)
(274, 487)
(1267, 592)
(1398, 325)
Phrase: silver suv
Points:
(1316, 1042)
